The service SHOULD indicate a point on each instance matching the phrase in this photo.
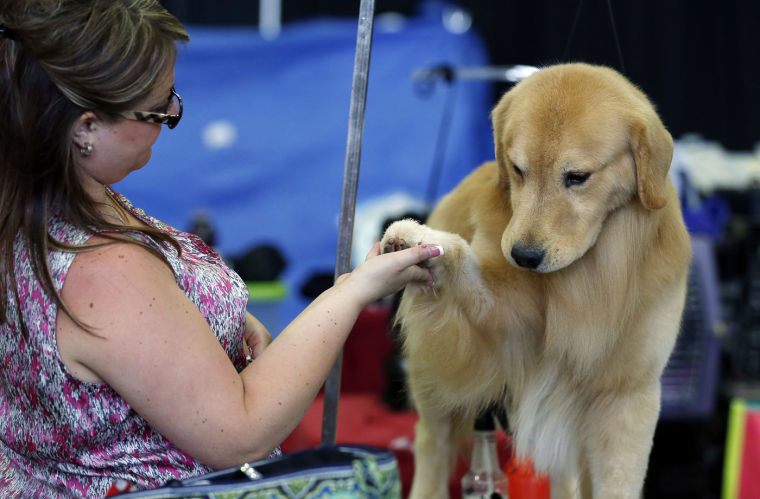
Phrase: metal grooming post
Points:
(348, 203)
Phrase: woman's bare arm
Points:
(157, 351)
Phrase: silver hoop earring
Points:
(86, 150)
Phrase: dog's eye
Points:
(517, 171)
(575, 178)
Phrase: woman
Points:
(127, 351)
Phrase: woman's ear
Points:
(84, 129)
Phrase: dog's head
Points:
(575, 142)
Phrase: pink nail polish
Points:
(435, 251)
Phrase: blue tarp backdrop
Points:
(261, 146)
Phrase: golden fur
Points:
(575, 345)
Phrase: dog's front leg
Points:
(457, 274)
(435, 448)
(618, 446)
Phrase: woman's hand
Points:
(383, 274)
(256, 337)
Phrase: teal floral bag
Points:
(335, 472)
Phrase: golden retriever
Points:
(560, 291)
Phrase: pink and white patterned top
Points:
(62, 437)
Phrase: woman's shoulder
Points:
(119, 257)
(110, 285)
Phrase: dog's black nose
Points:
(528, 257)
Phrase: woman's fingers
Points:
(418, 254)
(404, 264)
(419, 274)
(374, 251)
(256, 335)
(383, 274)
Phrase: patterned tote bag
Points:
(335, 472)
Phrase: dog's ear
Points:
(652, 148)
(498, 119)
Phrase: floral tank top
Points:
(62, 437)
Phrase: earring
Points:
(86, 150)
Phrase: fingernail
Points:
(434, 251)
(431, 282)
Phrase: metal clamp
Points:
(250, 472)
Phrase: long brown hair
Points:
(60, 58)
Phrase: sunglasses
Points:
(170, 120)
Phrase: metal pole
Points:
(511, 74)
(270, 18)
(348, 203)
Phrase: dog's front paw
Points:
(405, 234)
(408, 233)
(402, 235)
